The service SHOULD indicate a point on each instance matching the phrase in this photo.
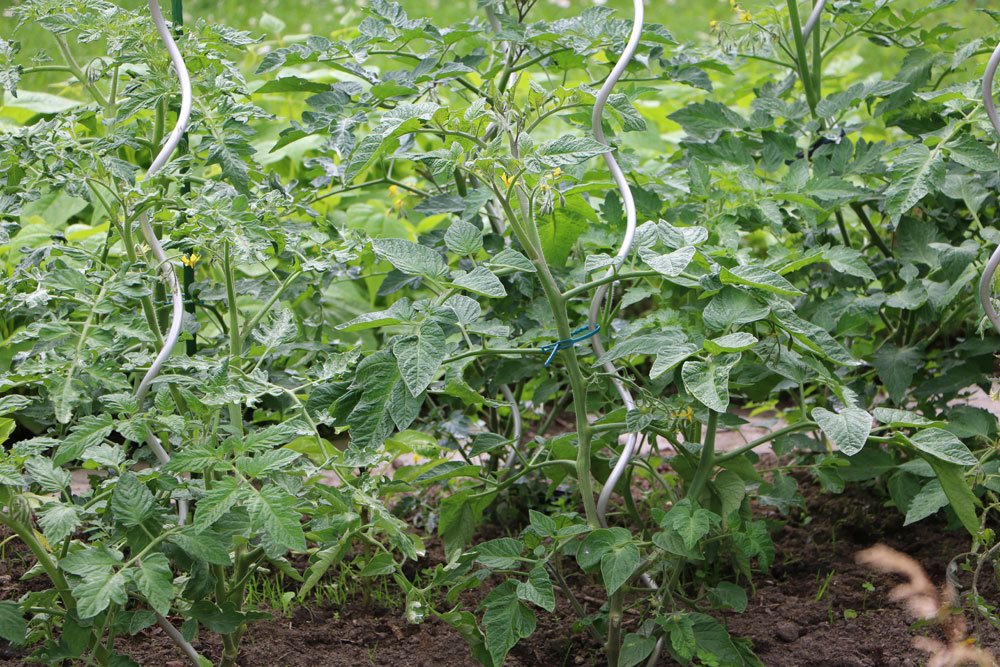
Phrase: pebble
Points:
(787, 631)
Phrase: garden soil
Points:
(813, 609)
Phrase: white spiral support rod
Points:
(169, 277)
(623, 251)
(814, 17)
(986, 284)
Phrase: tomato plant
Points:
(389, 246)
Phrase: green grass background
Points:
(686, 19)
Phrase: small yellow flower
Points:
(142, 248)
(746, 16)
(557, 172)
(732, 5)
(712, 25)
(393, 190)
(507, 180)
(544, 187)
(398, 204)
(190, 260)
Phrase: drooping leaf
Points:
(917, 170)
(154, 579)
(708, 382)
(411, 258)
(274, 511)
(506, 621)
(89, 432)
(761, 278)
(419, 356)
(848, 430)
(943, 445)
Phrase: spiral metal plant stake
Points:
(169, 277)
(986, 284)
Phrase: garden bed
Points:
(813, 607)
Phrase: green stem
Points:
(588, 287)
(873, 234)
(743, 449)
(255, 320)
(801, 59)
(577, 382)
(78, 71)
(706, 464)
(817, 63)
(615, 613)
(235, 340)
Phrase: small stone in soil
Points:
(787, 631)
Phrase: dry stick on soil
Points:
(926, 601)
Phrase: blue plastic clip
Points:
(577, 336)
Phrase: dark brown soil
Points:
(794, 621)
(790, 621)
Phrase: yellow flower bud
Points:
(393, 190)
(746, 16)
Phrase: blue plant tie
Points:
(576, 336)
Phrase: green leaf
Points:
(560, 229)
(233, 154)
(599, 543)
(733, 306)
(635, 649)
(89, 432)
(903, 418)
(132, 503)
(97, 591)
(480, 281)
(293, 84)
(463, 238)
(706, 119)
(943, 445)
(204, 545)
(734, 342)
(671, 264)
(974, 154)
(456, 523)
(58, 521)
(537, 589)
(928, 501)
(848, 430)
(503, 553)
(755, 276)
(963, 500)
(7, 427)
(155, 580)
(13, 627)
(218, 500)
(895, 367)
(566, 150)
(273, 510)
(680, 629)
(849, 261)
(419, 356)
(507, 621)
(689, 521)
(667, 360)
(398, 313)
(383, 137)
(708, 382)
(508, 258)
(411, 258)
(385, 403)
(917, 171)
(618, 564)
